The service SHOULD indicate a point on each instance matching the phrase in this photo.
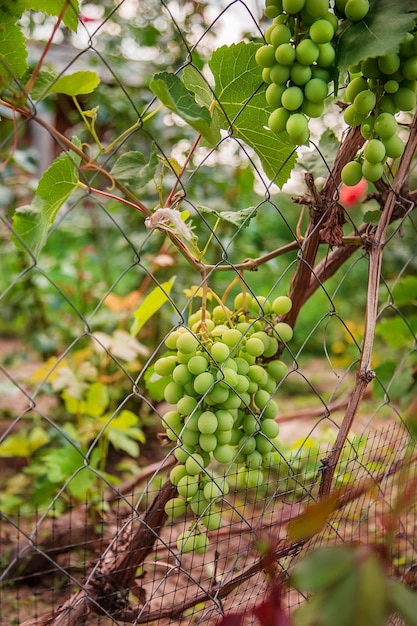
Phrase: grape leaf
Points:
(31, 223)
(151, 304)
(55, 7)
(243, 110)
(13, 52)
(135, 168)
(381, 32)
(74, 84)
(172, 92)
(234, 217)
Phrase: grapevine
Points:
(219, 375)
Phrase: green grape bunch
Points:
(219, 375)
(297, 63)
(378, 89)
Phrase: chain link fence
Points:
(84, 458)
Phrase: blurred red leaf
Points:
(270, 612)
(232, 619)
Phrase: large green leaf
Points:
(381, 32)
(55, 7)
(243, 110)
(32, 223)
(135, 168)
(172, 92)
(13, 52)
(75, 84)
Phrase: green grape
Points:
(331, 17)
(258, 374)
(250, 423)
(316, 90)
(247, 444)
(181, 374)
(292, 98)
(280, 34)
(223, 437)
(175, 507)
(364, 102)
(212, 490)
(232, 337)
(340, 5)
(352, 117)
(265, 56)
(372, 171)
(207, 423)
(394, 146)
(293, 6)
(173, 392)
(202, 543)
(224, 453)
(187, 343)
(367, 127)
(277, 369)
(370, 68)
(281, 305)
(327, 55)
(321, 31)
(284, 331)
(171, 340)
(266, 75)
(208, 442)
(220, 351)
(254, 478)
(194, 464)
(269, 428)
(186, 542)
(320, 72)
(356, 10)
(285, 54)
(174, 421)
(355, 87)
(389, 63)
(198, 503)
(374, 151)
(404, 99)
(262, 398)
(409, 68)
(307, 52)
(212, 520)
(203, 382)
(242, 385)
(391, 86)
(316, 8)
(272, 348)
(254, 460)
(273, 95)
(263, 444)
(187, 486)
(189, 437)
(242, 366)
(218, 395)
(297, 128)
(279, 74)
(386, 105)
(165, 365)
(352, 173)
(228, 377)
(183, 452)
(197, 364)
(312, 109)
(278, 120)
(233, 401)
(177, 473)
(254, 346)
(299, 74)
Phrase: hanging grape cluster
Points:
(379, 88)
(219, 375)
(298, 64)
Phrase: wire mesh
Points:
(94, 526)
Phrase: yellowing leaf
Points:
(196, 292)
(312, 520)
(151, 304)
(117, 304)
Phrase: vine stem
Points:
(170, 198)
(365, 374)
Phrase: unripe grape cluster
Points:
(219, 375)
(379, 88)
(297, 63)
